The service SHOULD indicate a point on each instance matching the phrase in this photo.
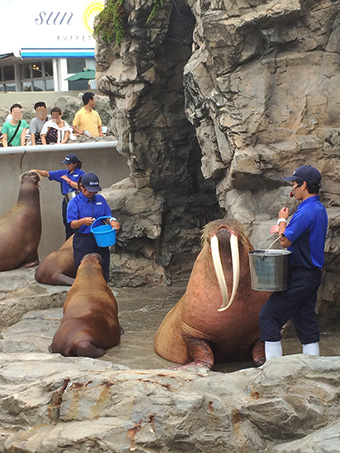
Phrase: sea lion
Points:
(20, 228)
(58, 267)
(90, 323)
(205, 326)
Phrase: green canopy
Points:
(85, 74)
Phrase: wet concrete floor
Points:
(141, 310)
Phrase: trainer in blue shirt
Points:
(68, 179)
(82, 211)
(305, 237)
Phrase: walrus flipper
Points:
(30, 263)
(87, 349)
(258, 353)
(200, 351)
(62, 280)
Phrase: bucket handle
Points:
(263, 255)
(100, 218)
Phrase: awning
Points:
(6, 55)
(57, 53)
(85, 74)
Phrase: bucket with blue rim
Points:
(104, 234)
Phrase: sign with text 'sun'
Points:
(56, 29)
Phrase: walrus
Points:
(90, 323)
(208, 324)
(20, 228)
(58, 267)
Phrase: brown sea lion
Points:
(205, 326)
(90, 323)
(20, 228)
(58, 267)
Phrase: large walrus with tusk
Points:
(20, 228)
(216, 320)
(58, 267)
(90, 323)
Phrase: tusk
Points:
(219, 270)
(235, 257)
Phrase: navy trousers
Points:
(68, 229)
(297, 303)
(86, 243)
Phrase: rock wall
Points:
(231, 94)
(261, 86)
(144, 79)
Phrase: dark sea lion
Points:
(90, 323)
(20, 228)
(206, 326)
(58, 267)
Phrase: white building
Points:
(43, 42)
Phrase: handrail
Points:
(67, 147)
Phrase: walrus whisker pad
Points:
(235, 257)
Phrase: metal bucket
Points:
(70, 195)
(269, 269)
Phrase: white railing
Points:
(67, 147)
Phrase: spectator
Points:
(55, 130)
(14, 131)
(87, 121)
(38, 122)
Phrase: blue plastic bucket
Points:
(104, 235)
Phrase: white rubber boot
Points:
(272, 349)
(311, 349)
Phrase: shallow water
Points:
(141, 310)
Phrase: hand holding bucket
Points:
(104, 235)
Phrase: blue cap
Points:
(305, 173)
(91, 182)
(70, 159)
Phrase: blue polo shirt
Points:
(307, 232)
(64, 187)
(80, 207)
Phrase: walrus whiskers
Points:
(235, 258)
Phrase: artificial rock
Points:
(133, 400)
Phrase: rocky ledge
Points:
(132, 400)
(57, 404)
